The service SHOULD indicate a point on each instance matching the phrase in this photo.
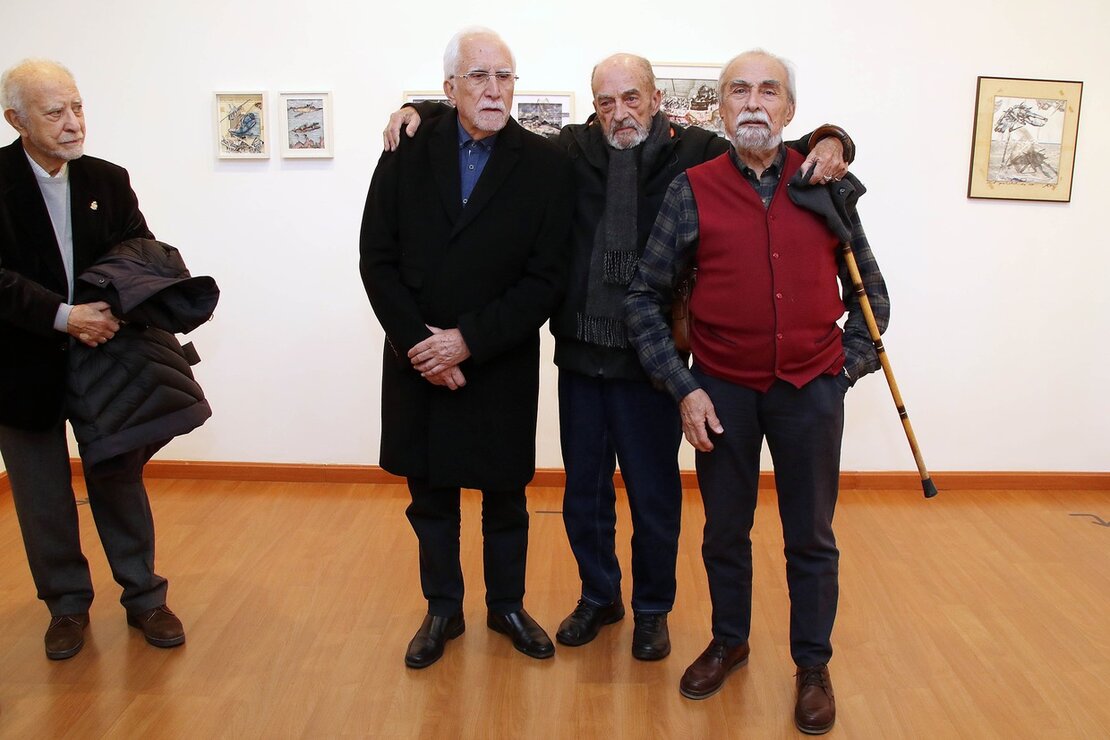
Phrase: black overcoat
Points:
(104, 212)
(494, 269)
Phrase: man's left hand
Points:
(444, 349)
(828, 156)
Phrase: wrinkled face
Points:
(755, 106)
(624, 104)
(483, 106)
(52, 125)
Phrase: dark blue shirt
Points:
(473, 156)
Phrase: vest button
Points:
(775, 255)
(778, 295)
(778, 336)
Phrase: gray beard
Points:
(638, 138)
(755, 139)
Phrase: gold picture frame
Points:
(1023, 142)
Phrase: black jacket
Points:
(589, 153)
(104, 212)
(494, 269)
(136, 391)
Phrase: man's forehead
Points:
(485, 51)
(757, 69)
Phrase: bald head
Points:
(28, 73)
(625, 99)
(41, 102)
(629, 64)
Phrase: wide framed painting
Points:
(543, 113)
(1023, 144)
(690, 96)
(424, 96)
(305, 120)
(241, 130)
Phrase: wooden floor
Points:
(976, 615)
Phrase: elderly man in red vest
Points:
(770, 362)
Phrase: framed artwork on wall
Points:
(305, 123)
(424, 96)
(1023, 141)
(543, 113)
(241, 129)
(690, 95)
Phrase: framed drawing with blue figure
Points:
(305, 123)
(241, 128)
(1023, 145)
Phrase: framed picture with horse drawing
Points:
(1023, 145)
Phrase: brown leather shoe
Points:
(160, 626)
(66, 635)
(707, 674)
(815, 710)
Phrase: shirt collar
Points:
(466, 140)
(41, 174)
(774, 168)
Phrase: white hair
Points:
(14, 82)
(791, 91)
(454, 48)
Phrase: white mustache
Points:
(758, 116)
(498, 106)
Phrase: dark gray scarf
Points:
(616, 249)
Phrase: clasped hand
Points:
(92, 323)
(437, 358)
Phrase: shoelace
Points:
(813, 677)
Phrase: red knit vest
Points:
(767, 300)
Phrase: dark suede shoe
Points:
(65, 636)
(426, 646)
(586, 621)
(815, 710)
(707, 674)
(651, 640)
(159, 625)
(527, 636)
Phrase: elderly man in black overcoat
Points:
(463, 256)
(59, 212)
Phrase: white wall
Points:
(999, 312)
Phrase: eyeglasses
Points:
(479, 77)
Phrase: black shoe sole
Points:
(814, 730)
(652, 655)
(64, 654)
(707, 694)
(578, 641)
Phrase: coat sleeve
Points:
(380, 259)
(530, 301)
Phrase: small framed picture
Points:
(543, 113)
(241, 129)
(424, 96)
(305, 122)
(690, 96)
(1023, 144)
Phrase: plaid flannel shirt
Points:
(672, 247)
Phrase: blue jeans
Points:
(803, 427)
(602, 421)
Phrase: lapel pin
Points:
(93, 206)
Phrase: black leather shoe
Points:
(426, 646)
(707, 674)
(159, 625)
(651, 640)
(527, 636)
(815, 709)
(65, 636)
(586, 621)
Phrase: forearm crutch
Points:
(873, 329)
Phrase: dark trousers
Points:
(435, 517)
(38, 468)
(602, 422)
(803, 428)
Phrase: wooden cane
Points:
(873, 328)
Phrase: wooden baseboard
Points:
(555, 477)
